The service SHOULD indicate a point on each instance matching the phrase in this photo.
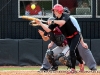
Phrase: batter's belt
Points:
(75, 33)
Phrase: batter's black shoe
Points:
(53, 68)
(43, 69)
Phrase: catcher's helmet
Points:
(59, 8)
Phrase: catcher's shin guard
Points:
(65, 61)
(50, 58)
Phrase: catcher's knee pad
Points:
(65, 61)
(50, 54)
(59, 55)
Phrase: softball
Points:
(33, 6)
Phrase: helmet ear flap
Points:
(60, 12)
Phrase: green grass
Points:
(34, 68)
(19, 68)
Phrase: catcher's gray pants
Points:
(85, 54)
(56, 51)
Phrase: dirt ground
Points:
(36, 72)
(30, 72)
(42, 73)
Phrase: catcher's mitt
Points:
(65, 61)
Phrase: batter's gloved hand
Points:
(65, 61)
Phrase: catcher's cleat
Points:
(43, 69)
(81, 67)
(53, 68)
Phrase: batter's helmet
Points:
(59, 8)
